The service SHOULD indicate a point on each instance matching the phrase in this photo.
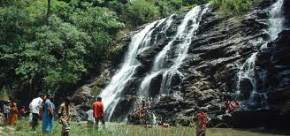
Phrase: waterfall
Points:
(139, 42)
(184, 34)
(248, 71)
(276, 20)
(111, 93)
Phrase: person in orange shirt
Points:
(98, 112)
(13, 113)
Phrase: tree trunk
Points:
(48, 11)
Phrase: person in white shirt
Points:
(6, 111)
(35, 106)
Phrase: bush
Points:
(167, 7)
(55, 54)
(142, 11)
(233, 7)
(193, 2)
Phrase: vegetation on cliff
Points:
(52, 45)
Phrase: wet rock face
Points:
(123, 107)
(277, 67)
(286, 12)
(221, 45)
(210, 72)
(245, 87)
(154, 88)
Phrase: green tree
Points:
(142, 11)
(50, 57)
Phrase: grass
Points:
(114, 129)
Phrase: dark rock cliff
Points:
(216, 53)
(218, 49)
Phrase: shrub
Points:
(167, 7)
(142, 11)
(233, 7)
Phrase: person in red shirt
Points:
(201, 123)
(98, 112)
(231, 106)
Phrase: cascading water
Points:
(142, 41)
(184, 34)
(257, 98)
(111, 92)
(276, 20)
(139, 42)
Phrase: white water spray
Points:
(139, 42)
(247, 71)
(276, 20)
(184, 34)
(112, 92)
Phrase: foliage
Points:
(192, 2)
(142, 11)
(50, 57)
(4, 94)
(167, 6)
(235, 7)
(55, 53)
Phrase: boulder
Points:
(154, 88)
(146, 57)
(82, 95)
(123, 107)
(246, 87)
(131, 87)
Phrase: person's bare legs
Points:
(96, 123)
(103, 122)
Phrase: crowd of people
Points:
(43, 109)
(9, 112)
(141, 115)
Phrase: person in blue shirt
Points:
(47, 117)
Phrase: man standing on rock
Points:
(35, 106)
(98, 112)
(201, 123)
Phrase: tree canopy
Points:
(50, 45)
